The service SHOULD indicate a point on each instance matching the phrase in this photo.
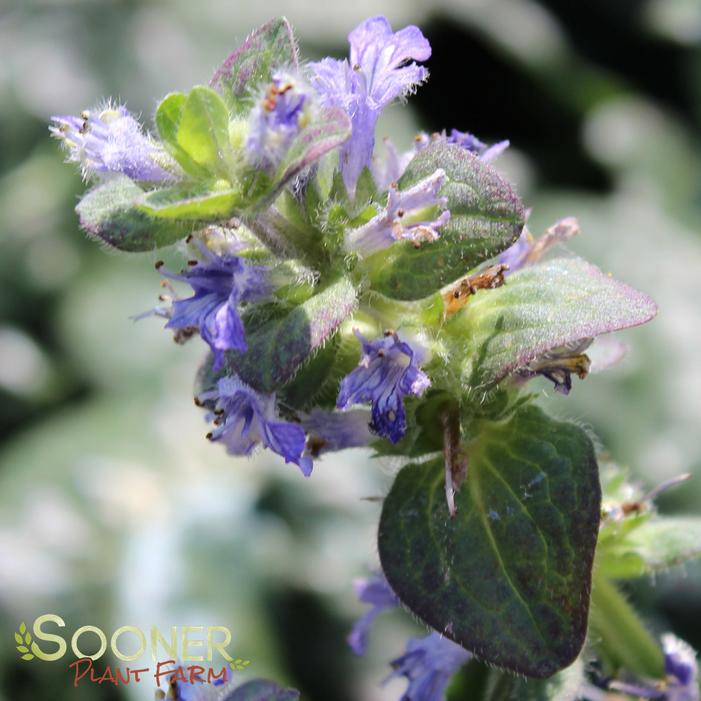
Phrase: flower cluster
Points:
(392, 298)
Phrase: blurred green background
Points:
(115, 511)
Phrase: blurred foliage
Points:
(114, 511)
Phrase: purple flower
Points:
(109, 141)
(403, 219)
(387, 372)
(376, 592)
(380, 70)
(517, 254)
(332, 430)
(275, 121)
(220, 283)
(465, 140)
(428, 664)
(528, 250)
(245, 418)
(681, 669)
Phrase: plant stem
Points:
(625, 639)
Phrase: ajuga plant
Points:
(361, 294)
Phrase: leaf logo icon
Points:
(23, 638)
(239, 665)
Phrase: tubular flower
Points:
(381, 69)
(428, 664)
(527, 250)
(464, 139)
(245, 419)
(220, 283)
(376, 592)
(681, 669)
(275, 121)
(387, 372)
(109, 141)
(402, 218)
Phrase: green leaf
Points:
(263, 690)
(28, 656)
(316, 382)
(111, 213)
(203, 131)
(278, 348)
(655, 545)
(23, 648)
(486, 216)
(22, 628)
(199, 204)
(18, 638)
(538, 309)
(509, 577)
(168, 115)
(267, 48)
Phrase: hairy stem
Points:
(625, 640)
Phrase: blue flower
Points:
(387, 372)
(220, 283)
(464, 139)
(275, 121)
(681, 669)
(376, 592)
(516, 255)
(428, 664)
(109, 140)
(245, 418)
(403, 217)
(528, 250)
(380, 70)
(332, 430)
